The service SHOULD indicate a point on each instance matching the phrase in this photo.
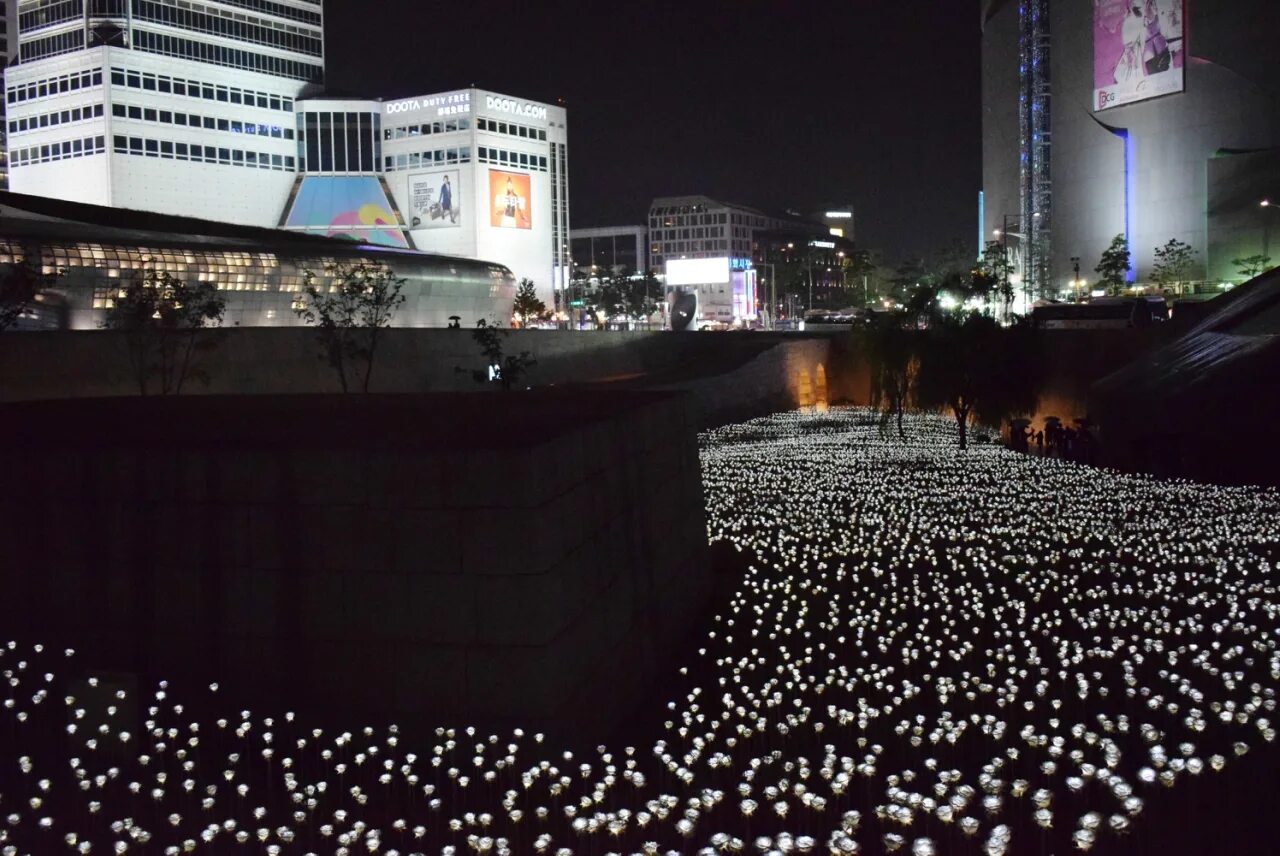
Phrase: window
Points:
(151, 42)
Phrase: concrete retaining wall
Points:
(731, 374)
(483, 558)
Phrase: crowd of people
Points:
(1055, 440)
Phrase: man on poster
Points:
(446, 201)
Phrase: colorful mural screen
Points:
(510, 196)
(1139, 51)
(352, 207)
(435, 200)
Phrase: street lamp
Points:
(1267, 205)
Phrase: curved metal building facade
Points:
(1193, 165)
(260, 271)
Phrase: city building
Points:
(476, 174)
(839, 220)
(1156, 125)
(8, 50)
(802, 268)
(613, 249)
(261, 272)
(217, 110)
(703, 248)
(156, 107)
(720, 255)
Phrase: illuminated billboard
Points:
(1138, 51)
(697, 271)
(511, 195)
(435, 201)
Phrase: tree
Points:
(977, 369)
(609, 297)
(993, 274)
(860, 268)
(166, 322)
(906, 280)
(20, 286)
(640, 296)
(527, 305)
(1252, 266)
(1173, 262)
(350, 315)
(1113, 267)
(893, 366)
(507, 370)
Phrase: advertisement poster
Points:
(1138, 51)
(434, 200)
(511, 200)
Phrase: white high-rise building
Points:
(8, 49)
(216, 109)
(162, 105)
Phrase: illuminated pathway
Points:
(933, 652)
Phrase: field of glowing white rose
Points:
(930, 651)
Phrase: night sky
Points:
(778, 105)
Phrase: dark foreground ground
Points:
(920, 650)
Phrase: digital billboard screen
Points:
(1139, 51)
(698, 271)
(435, 200)
(511, 195)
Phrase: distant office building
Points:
(1151, 119)
(715, 253)
(260, 272)
(609, 249)
(839, 220)
(703, 247)
(216, 110)
(817, 263)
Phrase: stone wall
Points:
(731, 374)
(517, 558)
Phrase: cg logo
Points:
(1105, 98)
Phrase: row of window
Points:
(201, 154)
(340, 142)
(511, 129)
(223, 262)
(230, 270)
(58, 151)
(108, 8)
(48, 12)
(559, 204)
(280, 10)
(268, 33)
(416, 160)
(192, 120)
(51, 86)
(406, 131)
(48, 46)
(197, 89)
(685, 234)
(505, 158)
(145, 40)
(57, 117)
(696, 220)
(700, 246)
